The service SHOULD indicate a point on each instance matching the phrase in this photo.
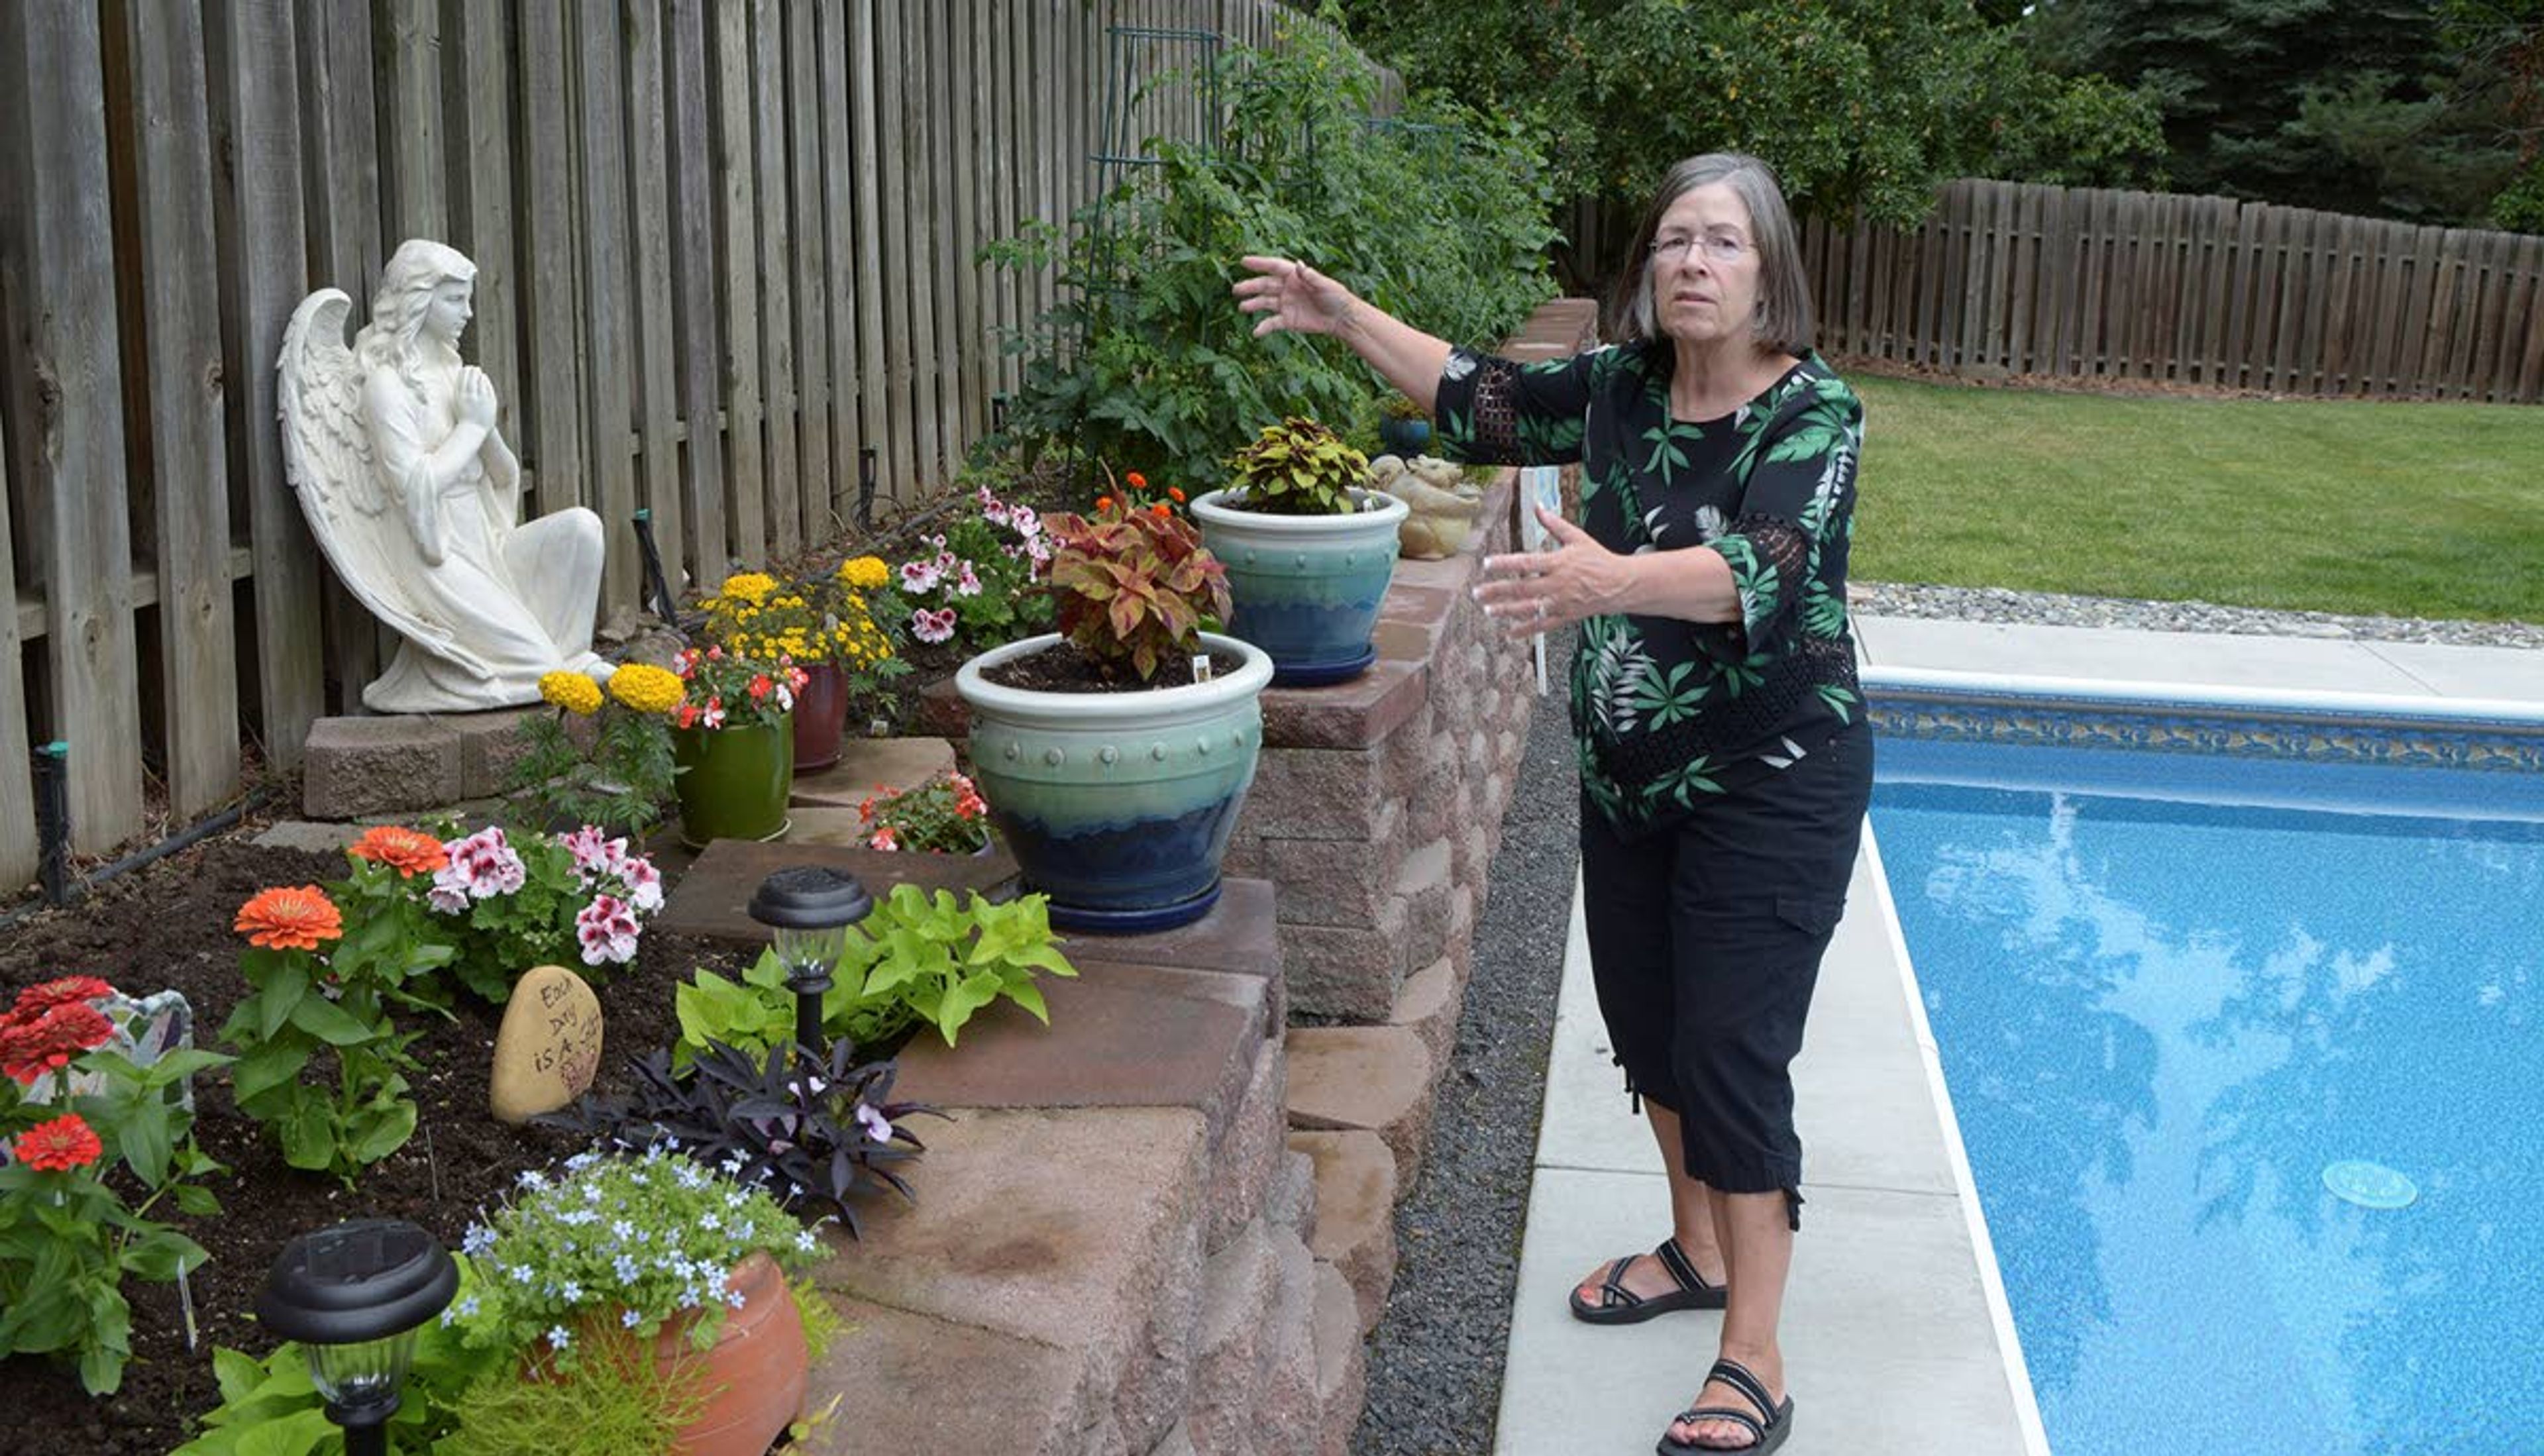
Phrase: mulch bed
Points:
(168, 926)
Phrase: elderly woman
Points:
(1724, 763)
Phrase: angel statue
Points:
(416, 499)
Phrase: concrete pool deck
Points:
(1896, 1339)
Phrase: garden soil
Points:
(168, 926)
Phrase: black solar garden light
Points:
(353, 1294)
(810, 908)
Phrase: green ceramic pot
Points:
(734, 780)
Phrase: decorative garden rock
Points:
(1440, 502)
(550, 1045)
(415, 496)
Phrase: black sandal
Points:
(1768, 1434)
(1619, 1305)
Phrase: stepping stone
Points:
(1373, 1078)
(1115, 1040)
(865, 762)
(1343, 1361)
(1427, 1006)
(1237, 937)
(1355, 1229)
(710, 899)
(984, 1391)
(308, 836)
(1061, 1227)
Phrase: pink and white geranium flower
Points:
(919, 577)
(481, 866)
(933, 627)
(966, 583)
(609, 931)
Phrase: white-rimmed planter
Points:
(1118, 805)
(1306, 589)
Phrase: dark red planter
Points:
(821, 715)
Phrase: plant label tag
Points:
(1201, 667)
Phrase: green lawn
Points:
(2412, 510)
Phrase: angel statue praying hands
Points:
(415, 498)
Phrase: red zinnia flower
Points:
(58, 1145)
(406, 850)
(30, 1049)
(35, 1001)
(287, 918)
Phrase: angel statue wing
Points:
(326, 457)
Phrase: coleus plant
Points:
(812, 1130)
(1133, 585)
(1298, 468)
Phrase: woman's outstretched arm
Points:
(1296, 297)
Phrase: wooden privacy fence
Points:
(2204, 290)
(726, 248)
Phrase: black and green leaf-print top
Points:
(1666, 711)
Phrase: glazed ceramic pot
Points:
(734, 780)
(1118, 805)
(1406, 437)
(821, 715)
(1306, 589)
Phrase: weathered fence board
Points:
(776, 281)
(18, 843)
(811, 270)
(254, 103)
(180, 385)
(737, 217)
(649, 189)
(2209, 290)
(693, 300)
(59, 357)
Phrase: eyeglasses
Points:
(1719, 248)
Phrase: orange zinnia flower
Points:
(1103, 503)
(406, 850)
(288, 918)
(1175, 495)
(1137, 480)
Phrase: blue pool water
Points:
(2169, 993)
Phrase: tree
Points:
(2390, 107)
(1864, 107)
(2504, 39)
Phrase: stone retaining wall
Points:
(1164, 1223)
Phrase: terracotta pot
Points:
(752, 1378)
(820, 713)
(756, 1373)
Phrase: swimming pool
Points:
(2170, 991)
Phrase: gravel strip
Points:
(1435, 1360)
(2045, 608)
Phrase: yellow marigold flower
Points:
(572, 691)
(646, 688)
(753, 586)
(865, 573)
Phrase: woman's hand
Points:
(1298, 297)
(1533, 592)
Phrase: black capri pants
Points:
(1705, 940)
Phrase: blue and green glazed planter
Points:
(1306, 589)
(1117, 805)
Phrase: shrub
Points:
(1298, 467)
(1439, 216)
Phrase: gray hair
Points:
(1784, 321)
